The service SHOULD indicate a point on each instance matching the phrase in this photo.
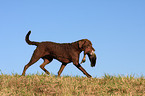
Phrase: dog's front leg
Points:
(61, 69)
(83, 70)
(84, 59)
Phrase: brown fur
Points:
(64, 52)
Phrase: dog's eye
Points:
(88, 45)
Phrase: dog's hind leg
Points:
(46, 61)
(35, 57)
(61, 69)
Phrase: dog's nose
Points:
(92, 58)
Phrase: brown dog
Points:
(65, 53)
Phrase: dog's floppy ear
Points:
(81, 43)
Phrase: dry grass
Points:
(43, 85)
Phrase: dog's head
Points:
(86, 46)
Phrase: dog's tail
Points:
(30, 42)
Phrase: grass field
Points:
(43, 85)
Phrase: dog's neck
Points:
(76, 46)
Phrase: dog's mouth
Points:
(92, 58)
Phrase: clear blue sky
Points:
(115, 27)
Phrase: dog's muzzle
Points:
(92, 58)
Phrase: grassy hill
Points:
(43, 85)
